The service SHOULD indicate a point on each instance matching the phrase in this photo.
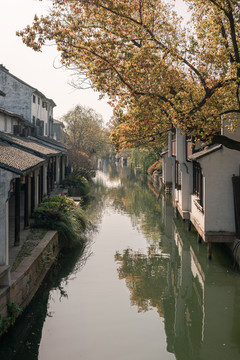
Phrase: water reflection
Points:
(23, 340)
(198, 299)
(170, 284)
(205, 302)
(145, 278)
(130, 194)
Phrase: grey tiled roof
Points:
(44, 140)
(17, 160)
(28, 145)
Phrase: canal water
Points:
(143, 289)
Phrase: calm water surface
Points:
(142, 290)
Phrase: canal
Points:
(143, 289)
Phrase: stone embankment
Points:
(29, 274)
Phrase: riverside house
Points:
(26, 101)
(30, 164)
(202, 187)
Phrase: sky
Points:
(38, 69)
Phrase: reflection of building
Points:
(123, 158)
(199, 309)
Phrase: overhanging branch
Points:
(227, 142)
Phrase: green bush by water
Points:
(78, 185)
(12, 311)
(62, 214)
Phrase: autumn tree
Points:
(156, 73)
(86, 138)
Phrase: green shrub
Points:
(12, 312)
(62, 215)
(58, 202)
(77, 185)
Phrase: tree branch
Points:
(227, 142)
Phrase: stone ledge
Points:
(30, 273)
(4, 275)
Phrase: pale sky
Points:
(37, 69)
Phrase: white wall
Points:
(18, 94)
(7, 123)
(40, 112)
(180, 146)
(183, 196)
(197, 216)
(186, 186)
(5, 181)
(166, 169)
(218, 169)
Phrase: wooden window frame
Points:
(177, 176)
(174, 142)
(198, 182)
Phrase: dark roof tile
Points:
(17, 160)
(28, 145)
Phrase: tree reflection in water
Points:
(146, 278)
(197, 299)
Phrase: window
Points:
(177, 176)
(34, 120)
(34, 99)
(198, 182)
(173, 131)
(39, 101)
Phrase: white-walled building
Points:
(202, 189)
(26, 101)
(31, 162)
(166, 170)
(58, 130)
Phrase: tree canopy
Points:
(86, 137)
(85, 131)
(156, 73)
